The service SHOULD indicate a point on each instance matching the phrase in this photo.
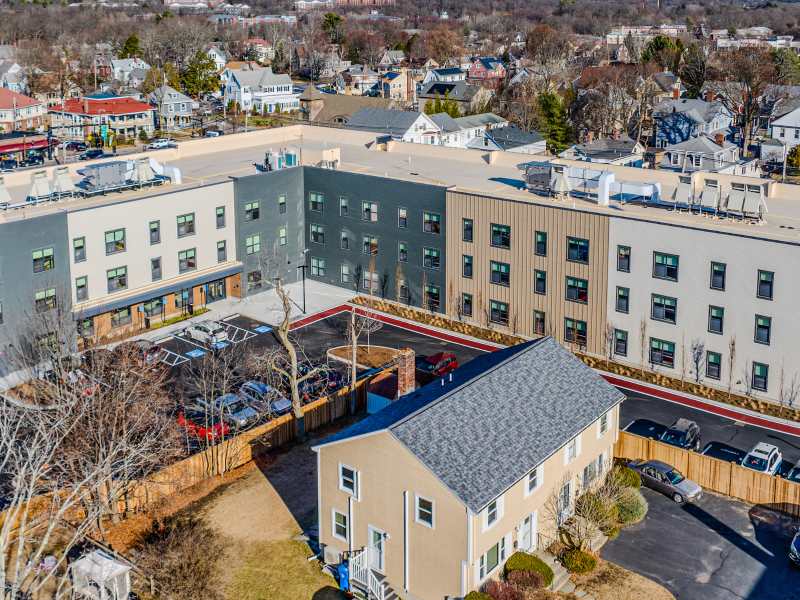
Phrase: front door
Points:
(376, 549)
(216, 290)
(565, 503)
(529, 533)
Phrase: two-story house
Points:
(406, 126)
(224, 74)
(470, 98)
(787, 129)
(78, 118)
(12, 76)
(429, 496)
(448, 74)
(356, 80)
(18, 112)
(712, 155)
(173, 108)
(121, 68)
(263, 49)
(487, 72)
(261, 91)
(678, 120)
(397, 86)
(389, 59)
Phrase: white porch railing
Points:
(360, 572)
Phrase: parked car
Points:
(144, 351)
(8, 164)
(91, 154)
(764, 458)
(330, 378)
(213, 133)
(31, 161)
(206, 112)
(794, 548)
(234, 409)
(664, 478)
(684, 434)
(159, 144)
(439, 364)
(265, 398)
(794, 474)
(202, 425)
(76, 146)
(207, 332)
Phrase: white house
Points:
(121, 68)
(12, 76)
(474, 126)
(219, 57)
(407, 126)
(261, 91)
(787, 129)
(448, 74)
(510, 139)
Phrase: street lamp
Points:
(304, 267)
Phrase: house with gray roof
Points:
(262, 91)
(712, 155)
(174, 107)
(406, 126)
(616, 150)
(471, 98)
(677, 120)
(432, 494)
(511, 139)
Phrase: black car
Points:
(683, 433)
(31, 161)
(90, 154)
(794, 548)
(8, 164)
(76, 146)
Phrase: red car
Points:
(439, 364)
(194, 421)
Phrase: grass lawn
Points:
(610, 582)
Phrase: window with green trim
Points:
(115, 241)
(43, 260)
(117, 279)
(45, 300)
(253, 244)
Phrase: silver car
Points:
(666, 479)
(207, 332)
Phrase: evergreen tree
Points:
(428, 110)
(252, 54)
(131, 47)
(155, 78)
(437, 106)
(554, 114)
(201, 76)
(447, 104)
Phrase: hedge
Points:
(522, 561)
(627, 477)
(612, 530)
(632, 506)
(579, 562)
(590, 505)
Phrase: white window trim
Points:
(334, 512)
(355, 480)
(601, 433)
(567, 459)
(539, 472)
(504, 543)
(417, 498)
(485, 514)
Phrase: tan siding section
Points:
(387, 469)
(525, 220)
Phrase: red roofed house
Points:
(263, 49)
(78, 118)
(18, 112)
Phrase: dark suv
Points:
(32, 160)
(8, 164)
(683, 433)
(90, 154)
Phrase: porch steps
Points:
(560, 574)
(389, 593)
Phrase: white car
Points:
(208, 332)
(159, 144)
(764, 458)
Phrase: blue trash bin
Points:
(344, 577)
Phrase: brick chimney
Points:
(615, 134)
(86, 106)
(720, 139)
(590, 137)
(405, 372)
(709, 96)
(676, 93)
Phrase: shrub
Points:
(526, 579)
(578, 561)
(611, 530)
(477, 596)
(497, 590)
(626, 477)
(592, 506)
(522, 561)
(632, 506)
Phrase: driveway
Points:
(717, 549)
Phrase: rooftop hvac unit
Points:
(105, 176)
(709, 197)
(684, 193)
(40, 189)
(290, 158)
(560, 185)
(4, 197)
(62, 183)
(736, 198)
(142, 172)
(537, 177)
(273, 161)
(754, 203)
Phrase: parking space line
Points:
(177, 360)
(246, 334)
(192, 342)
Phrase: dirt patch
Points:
(611, 582)
(372, 357)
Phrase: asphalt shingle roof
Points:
(479, 120)
(700, 110)
(379, 120)
(511, 136)
(459, 90)
(445, 122)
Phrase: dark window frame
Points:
(316, 202)
(75, 250)
(577, 299)
(661, 350)
(666, 267)
(757, 378)
(116, 321)
(466, 266)
(712, 319)
(254, 212)
(724, 276)
(576, 331)
(320, 267)
(117, 278)
(370, 248)
(43, 261)
(318, 236)
(43, 304)
(114, 241)
(466, 304)
(153, 269)
(251, 244)
(155, 233)
(82, 292)
(186, 225)
(618, 341)
(219, 214)
(344, 240)
(502, 235)
(771, 285)
(187, 260)
(502, 279)
(281, 205)
(578, 250)
(663, 319)
(537, 280)
(222, 252)
(402, 217)
(621, 258)
(536, 246)
(343, 207)
(709, 363)
(402, 252)
(426, 257)
(430, 226)
(537, 320)
(368, 214)
(465, 229)
(502, 315)
(768, 328)
(626, 300)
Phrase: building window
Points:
(765, 285)
(253, 244)
(713, 364)
(317, 267)
(220, 217)
(665, 266)
(577, 290)
(493, 557)
(424, 511)
(466, 304)
(432, 295)
(402, 218)
(115, 241)
(43, 260)
(370, 244)
(347, 479)
(254, 280)
(540, 283)
(117, 279)
(345, 274)
(499, 312)
(369, 211)
(187, 261)
(403, 289)
(317, 202)
(222, 252)
(760, 373)
(81, 289)
(155, 268)
(501, 236)
(339, 521)
(715, 318)
(318, 234)
(763, 327)
(491, 513)
(623, 259)
(501, 273)
(365, 282)
(622, 299)
(665, 309)
(717, 276)
(251, 212)
(155, 232)
(430, 258)
(1, 313)
(183, 298)
(85, 328)
(575, 331)
(541, 243)
(79, 249)
(578, 250)
(344, 241)
(534, 480)
(662, 353)
(282, 236)
(467, 230)
(467, 266)
(121, 317)
(186, 225)
(621, 343)
(430, 223)
(45, 300)
(538, 322)
(342, 207)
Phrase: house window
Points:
(713, 364)
(577, 290)
(43, 260)
(622, 299)
(665, 266)
(251, 211)
(347, 479)
(467, 266)
(540, 284)
(370, 244)
(403, 283)
(187, 261)
(538, 322)
(467, 230)
(253, 244)
(220, 217)
(222, 252)
(765, 284)
(665, 309)
(621, 343)
(624, 259)
(466, 304)
(572, 449)
(282, 236)
(155, 232)
(318, 234)
(763, 326)
(717, 276)
(432, 295)
(534, 480)
(344, 240)
(254, 280)
(117, 279)
(369, 211)
(155, 268)
(490, 561)
(430, 258)
(602, 425)
(317, 203)
(344, 273)
(342, 207)
(401, 218)
(121, 317)
(715, 318)
(578, 250)
(85, 328)
(430, 223)
(662, 353)
(674, 156)
(575, 331)
(79, 249)
(541, 243)
(281, 205)
(491, 513)
(501, 273)
(501, 236)
(339, 521)
(499, 312)
(424, 511)
(760, 373)
(81, 289)
(317, 267)
(186, 225)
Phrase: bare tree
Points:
(747, 378)
(557, 508)
(513, 321)
(731, 363)
(642, 343)
(788, 395)
(684, 358)
(398, 278)
(608, 339)
(698, 350)
(383, 283)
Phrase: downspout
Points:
(319, 497)
(350, 520)
(405, 541)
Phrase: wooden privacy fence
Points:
(714, 474)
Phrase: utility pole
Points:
(785, 153)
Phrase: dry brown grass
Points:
(610, 582)
(373, 357)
